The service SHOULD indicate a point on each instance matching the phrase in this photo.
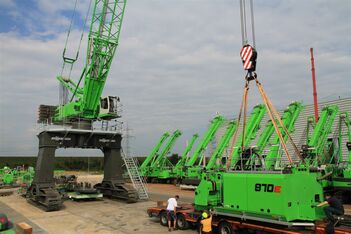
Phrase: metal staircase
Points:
(134, 175)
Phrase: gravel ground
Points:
(104, 216)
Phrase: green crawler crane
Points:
(289, 118)
(314, 150)
(341, 169)
(81, 109)
(178, 169)
(145, 166)
(213, 165)
(192, 171)
(286, 197)
(239, 193)
(161, 165)
(170, 174)
(250, 133)
(222, 145)
(103, 39)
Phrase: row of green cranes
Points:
(290, 192)
(14, 177)
(262, 181)
(262, 152)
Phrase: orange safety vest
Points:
(207, 224)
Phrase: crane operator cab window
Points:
(108, 106)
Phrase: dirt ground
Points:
(157, 192)
(104, 216)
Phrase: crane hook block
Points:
(248, 56)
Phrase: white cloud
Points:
(177, 64)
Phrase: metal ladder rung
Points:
(137, 180)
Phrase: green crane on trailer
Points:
(289, 117)
(265, 200)
(238, 194)
(145, 166)
(161, 162)
(251, 130)
(86, 102)
(314, 150)
(223, 144)
(190, 171)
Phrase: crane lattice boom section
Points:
(103, 40)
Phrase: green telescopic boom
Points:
(223, 144)
(154, 151)
(182, 160)
(251, 129)
(215, 124)
(161, 157)
(263, 140)
(317, 142)
(345, 119)
(348, 127)
(289, 117)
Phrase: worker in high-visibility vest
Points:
(206, 223)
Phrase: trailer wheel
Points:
(225, 228)
(163, 218)
(182, 224)
(149, 214)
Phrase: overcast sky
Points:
(177, 64)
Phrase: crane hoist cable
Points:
(80, 42)
(70, 60)
(243, 23)
(248, 56)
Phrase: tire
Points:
(225, 228)
(174, 181)
(163, 218)
(346, 197)
(149, 214)
(182, 224)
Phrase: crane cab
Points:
(108, 107)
